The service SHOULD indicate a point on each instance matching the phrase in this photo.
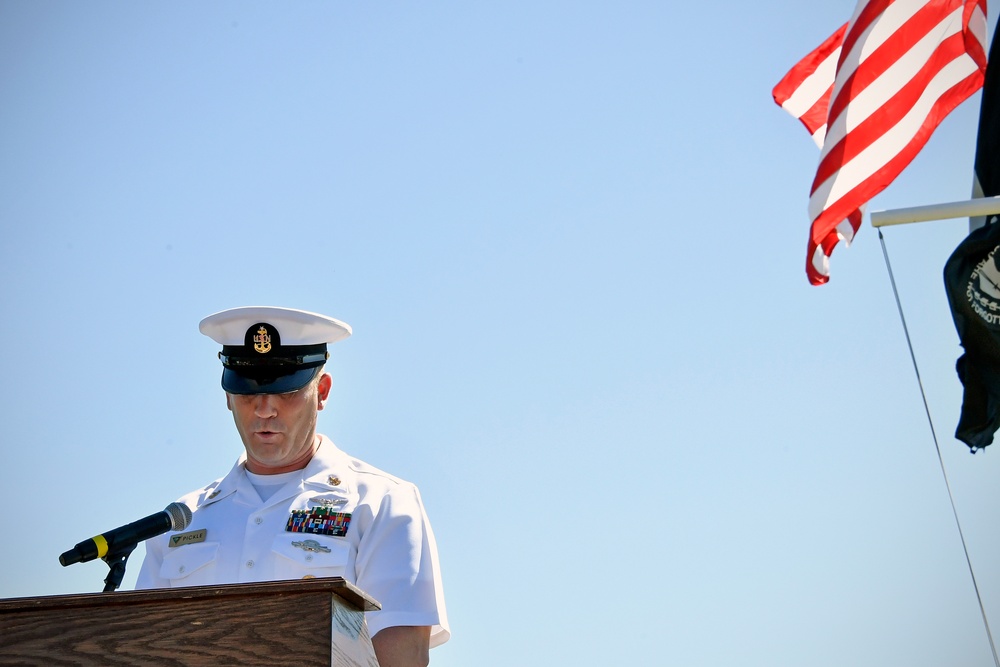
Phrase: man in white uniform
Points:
(294, 506)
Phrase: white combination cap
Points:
(271, 350)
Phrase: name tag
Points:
(188, 538)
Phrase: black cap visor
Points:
(258, 382)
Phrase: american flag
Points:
(871, 95)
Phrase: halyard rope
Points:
(923, 395)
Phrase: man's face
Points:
(279, 430)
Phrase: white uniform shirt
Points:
(387, 548)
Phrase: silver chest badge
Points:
(328, 502)
(311, 545)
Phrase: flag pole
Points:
(957, 209)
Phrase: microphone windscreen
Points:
(180, 515)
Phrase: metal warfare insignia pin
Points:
(262, 340)
(328, 502)
(311, 545)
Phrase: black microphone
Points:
(176, 516)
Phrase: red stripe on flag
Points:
(815, 117)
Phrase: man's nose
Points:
(265, 406)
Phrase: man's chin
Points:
(263, 464)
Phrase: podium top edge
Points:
(351, 595)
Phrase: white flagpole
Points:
(956, 209)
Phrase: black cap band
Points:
(305, 356)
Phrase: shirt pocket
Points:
(305, 555)
(191, 564)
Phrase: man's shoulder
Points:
(364, 472)
(372, 473)
(214, 491)
(205, 495)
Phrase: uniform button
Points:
(249, 563)
(309, 576)
(181, 569)
(258, 521)
(309, 558)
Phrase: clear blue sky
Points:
(570, 238)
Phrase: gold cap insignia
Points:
(262, 340)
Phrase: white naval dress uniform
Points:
(388, 550)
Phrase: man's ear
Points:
(229, 402)
(323, 390)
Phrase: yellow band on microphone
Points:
(102, 546)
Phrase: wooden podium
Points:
(305, 622)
